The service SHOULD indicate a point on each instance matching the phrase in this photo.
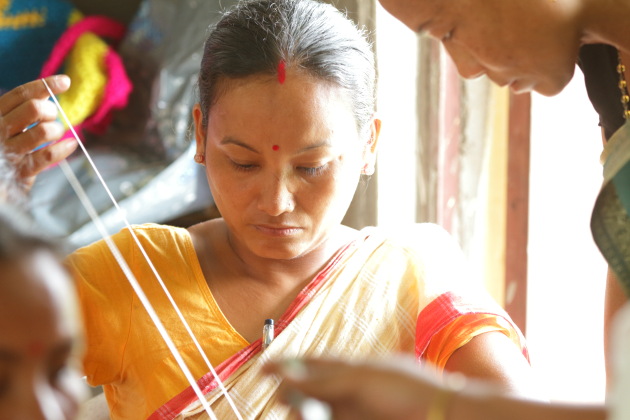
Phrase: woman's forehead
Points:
(36, 301)
(297, 99)
(418, 13)
(413, 13)
(36, 279)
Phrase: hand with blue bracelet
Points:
(29, 131)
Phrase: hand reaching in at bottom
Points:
(393, 390)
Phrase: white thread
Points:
(74, 182)
(132, 280)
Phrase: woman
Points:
(531, 45)
(39, 332)
(285, 127)
(480, 37)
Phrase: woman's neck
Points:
(606, 22)
(295, 270)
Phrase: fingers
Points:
(368, 390)
(26, 114)
(28, 121)
(33, 163)
(323, 379)
(32, 91)
(27, 141)
(332, 382)
(27, 117)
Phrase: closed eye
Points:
(316, 171)
(448, 36)
(243, 167)
(4, 384)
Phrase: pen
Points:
(268, 333)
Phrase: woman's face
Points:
(525, 44)
(283, 161)
(37, 340)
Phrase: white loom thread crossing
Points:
(74, 182)
(85, 200)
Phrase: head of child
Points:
(285, 123)
(39, 327)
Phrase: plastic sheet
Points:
(146, 156)
(162, 52)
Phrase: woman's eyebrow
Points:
(7, 356)
(324, 143)
(236, 142)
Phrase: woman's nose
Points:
(275, 196)
(467, 66)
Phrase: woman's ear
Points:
(200, 134)
(369, 151)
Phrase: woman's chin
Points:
(279, 252)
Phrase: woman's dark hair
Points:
(18, 236)
(256, 35)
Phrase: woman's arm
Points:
(399, 390)
(500, 407)
(492, 356)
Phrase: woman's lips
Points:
(280, 231)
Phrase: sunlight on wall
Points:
(566, 271)
(397, 59)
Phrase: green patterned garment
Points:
(610, 222)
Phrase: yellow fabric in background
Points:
(85, 66)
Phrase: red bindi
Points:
(275, 147)
(282, 71)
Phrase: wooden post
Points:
(517, 208)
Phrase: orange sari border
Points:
(448, 307)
